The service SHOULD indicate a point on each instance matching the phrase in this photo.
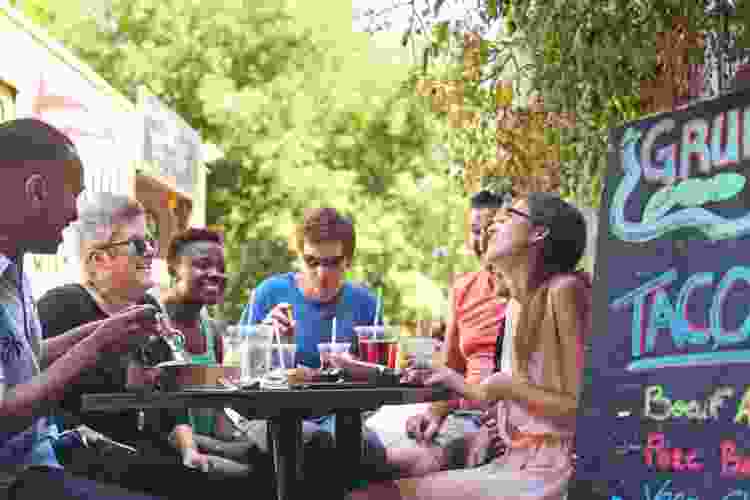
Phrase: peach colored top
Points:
(477, 321)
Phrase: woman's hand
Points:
(499, 385)
(194, 459)
(450, 379)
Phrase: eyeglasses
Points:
(331, 262)
(504, 215)
(513, 211)
(137, 247)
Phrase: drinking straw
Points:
(378, 307)
(252, 308)
(279, 349)
(333, 331)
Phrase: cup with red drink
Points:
(378, 344)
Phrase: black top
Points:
(66, 307)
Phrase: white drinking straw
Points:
(280, 350)
(333, 331)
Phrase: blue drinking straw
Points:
(378, 306)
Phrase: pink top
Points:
(515, 417)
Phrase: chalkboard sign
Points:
(668, 366)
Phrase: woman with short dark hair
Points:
(195, 260)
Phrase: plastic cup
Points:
(234, 348)
(289, 353)
(328, 348)
(420, 349)
(378, 344)
(256, 355)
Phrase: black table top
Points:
(269, 403)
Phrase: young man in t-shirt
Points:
(325, 240)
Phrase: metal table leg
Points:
(349, 443)
(285, 441)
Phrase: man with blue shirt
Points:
(325, 240)
(41, 177)
(318, 294)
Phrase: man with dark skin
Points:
(41, 177)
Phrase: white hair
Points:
(98, 216)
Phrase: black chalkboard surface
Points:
(668, 363)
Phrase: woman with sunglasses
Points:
(535, 244)
(109, 241)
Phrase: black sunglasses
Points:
(333, 262)
(137, 247)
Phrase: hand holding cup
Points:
(131, 326)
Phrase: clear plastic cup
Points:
(256, 352)
(288, 353)
(378, 344)
(234, 348)
(419, 349)
(328, 348)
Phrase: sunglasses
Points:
(137, 247)
(331, 262)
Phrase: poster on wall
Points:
(171, 148)
(666, 402)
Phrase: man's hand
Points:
(424, 426)
(119, 332)
(279, 318)
(140, 377)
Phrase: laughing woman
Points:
(535, 245)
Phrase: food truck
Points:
(140, 149)
(666, 401)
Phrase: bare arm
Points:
(22, 403)
(452, 356)
(570, 300)
(53, 348)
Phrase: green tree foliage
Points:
(307, 113)
(583, 56)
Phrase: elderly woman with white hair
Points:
(115, 253)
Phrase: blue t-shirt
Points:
(356, 307)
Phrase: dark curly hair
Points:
(187, 237)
